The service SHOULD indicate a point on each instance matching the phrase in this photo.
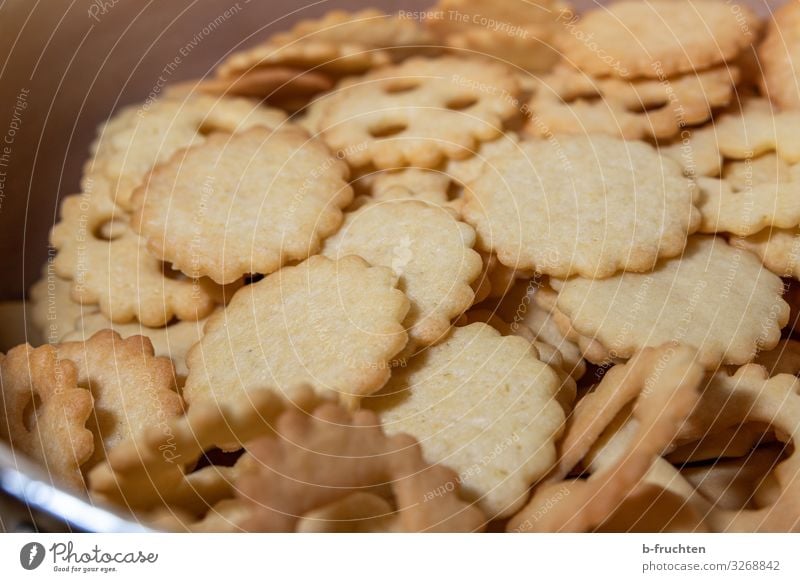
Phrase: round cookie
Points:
(715, 298)
(581, 205)
(335, 325)
(658, 38)
(402, 235)
(419, 112)
(246, 203)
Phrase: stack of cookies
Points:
(645, 69)
(401, 294)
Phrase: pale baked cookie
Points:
(419, 112)
(779, 56)
(430, 253)
(643, 402)
(415, 183)
(569, 101)
(132, 389)
(484, 405)
(45, 412)
(53, 310)
(757, 129)
(659, 38)
(240, 204)
(778, 249)
(715, 298)
(333, 324)
(325, 457)
(519, 33)
(696, 151)
(169, 341)
(746, 211)
(138, 137)
(108, 265)
(585, 206)
(340, 43)
(154, 468)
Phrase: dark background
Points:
(77, 70)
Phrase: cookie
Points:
(247, 203)
(569, 101)
(696, 151)
(325, 457)
(778, 249)
(546, 207)
(132, 389)
(400, 235)
(333, 324)
(746, 212)
(114, 270)
(150, 469)
(510, 31)
(714, 298)
(419, 112)
(45, 412)
(138, 137)
(653, 392)
(484, 405)
(171, 341)
(750, 395)
(655, 39)
(53, 311)
(779, 57)
(410, 183)
(758, 129)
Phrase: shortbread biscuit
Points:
(654, 392)
(330, 455)
(333, 324)
(240, 204)
(152, 469)
(750, 395)
(746, 212)
(757, 129)
(45, 412)
(715, 298)
(132, 389)
(53, 310)
(140, 136)
(419, 112)
(696, 151)
(568, 101)
(400, 235)
(484, 405)
(778, 249)
(567, 209)
(657, 38)
(171, 341)
(519, 33)
(340, 43)
(414, 183)
(114, 270)
(779, 57)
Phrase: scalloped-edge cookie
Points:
(44, 412)
(400, 235)
(582, 205)
(335, 325)
(484, 405)
(657, 38)
(715, 298)
(132, 389)
(779, 57)
(108, 265)
(420, 112)
(247, 203)
(139, 136)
